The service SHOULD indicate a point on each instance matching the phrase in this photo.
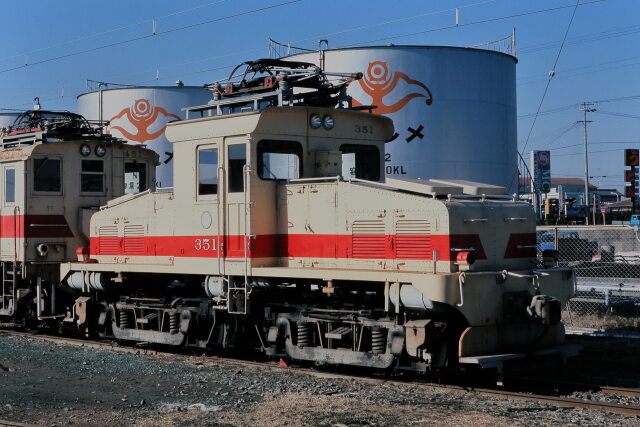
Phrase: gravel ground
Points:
(50, 384)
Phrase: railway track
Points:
(517, 393)
(5, 423)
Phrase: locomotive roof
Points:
(35, 128)
(268, 120)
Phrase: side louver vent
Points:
(368, 239)
(413, 239)
(134, 239)
(108, 240)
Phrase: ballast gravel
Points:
(52, 384)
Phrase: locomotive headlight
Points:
(328, 122)
(85, 150)
(100, 151)
(315, 121)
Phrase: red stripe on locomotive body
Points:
(415, 247)
(34, 226)
(516, 243)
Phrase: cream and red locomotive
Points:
(282, 233)
(57, 170)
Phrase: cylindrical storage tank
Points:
(454, 109)
(140, 116)
(7, 119)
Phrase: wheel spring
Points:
(378, 340)
(304, 335)
(174, 322)
(124, 318)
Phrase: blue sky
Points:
(600, 61)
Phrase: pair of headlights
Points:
(85, 150)
(327, 122)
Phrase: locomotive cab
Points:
(57, 170)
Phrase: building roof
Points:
(562, 181)
(622, 204)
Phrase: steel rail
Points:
(6, 423)
(558, 401)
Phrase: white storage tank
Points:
(140, 115)
(454, 109)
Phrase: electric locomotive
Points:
(282, 234)
(57, 170)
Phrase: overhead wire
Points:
(569, 74)
(483, 21)
(546, 89)
(613, 113)
(551, 74)
(570, 106)
(111, 31)
(393, 21)
(295, 41)
(571, 127)
(591, 152)
(295, 1)
(588, 38)
(159, 33)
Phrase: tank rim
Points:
(411, 46)
(141, 87)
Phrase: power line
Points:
(588, 38)
(597, 143)
(623, 98)
(160, 33)
(570, 106)
(570, 128)
(592, 152)
(551, 74)
(111, 31)
(90, 36)
(550, 111)
(295, 41)
(566, 75)
(546, 89)
(613, 113)
(286, 3)
(484, 21)
(394, 21)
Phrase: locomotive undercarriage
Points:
(351, 326)
(31, 296)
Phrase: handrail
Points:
(319, 178)
(124, 198)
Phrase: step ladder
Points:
(8, 289)
(237, 305)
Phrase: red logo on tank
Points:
(379, 82)
(142, 115)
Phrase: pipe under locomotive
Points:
(262, 244)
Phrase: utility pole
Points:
(587, 107)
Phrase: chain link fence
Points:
(607, 264)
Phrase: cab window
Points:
(236, 161)
(207, 171)
(9, 185)
(135, 177)
(279, 159)
(92, 176)
(47, 175)
(360, 161)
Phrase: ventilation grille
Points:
(134, 239)
(413, 240)
(368, 239)
(108, 240)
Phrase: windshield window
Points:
(360, 161)
(279, 159)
